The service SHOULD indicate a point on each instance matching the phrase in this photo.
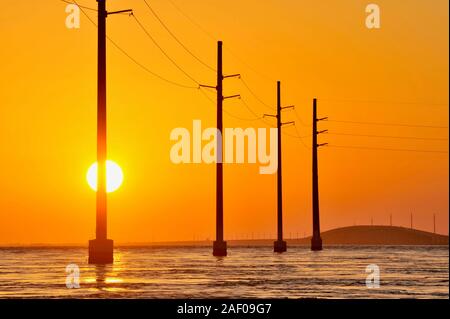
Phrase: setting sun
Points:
(114, 176)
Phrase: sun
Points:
(114, 176)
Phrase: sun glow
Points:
(114, 176)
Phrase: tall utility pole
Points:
(219, 245)
(279, 246)
(411, 221)
(101, 248)
(434, 223)
(316, 240)
(390, 219)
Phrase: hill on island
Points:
(378, 235)
(353, 235)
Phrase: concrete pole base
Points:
(220, 248)
(101, 251)
(279, 246)
(316, 243)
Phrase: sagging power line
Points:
(79, 6)
(227, 112)
(142, 66)
(387, 149)
(214, 38)
(255, 96)
(391, 136)
(388, 124)
(163, 51)
(177, 39)
(425, 104)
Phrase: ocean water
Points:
(248, 272)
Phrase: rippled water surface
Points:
(183, 272)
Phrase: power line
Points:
(395, 137)
(257, 116)
(214, 39)
(299, 118)
(225, 111)
(148, 70)
(192, 21)
(291, 135)
(81, 7)
(384, 102)
(299, 137)
(254, 113)
(249, 109)
(163, 51)
(387, 149)
(249, 66)
(388, 124)
(176, 38)
(230, 51)
(256, 96)
(89, 8)
(133, 59)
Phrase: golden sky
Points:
(316, 48)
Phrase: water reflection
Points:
(180, 272)
(106, 277)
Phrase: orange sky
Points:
(316, 48)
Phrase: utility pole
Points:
(434, 223)
(411, 221)
(219, 245)
(390, 219)
(101, 248)
(279, 246)
(316, 240)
